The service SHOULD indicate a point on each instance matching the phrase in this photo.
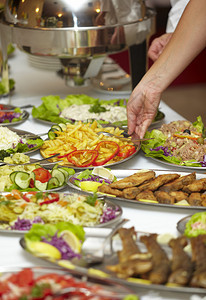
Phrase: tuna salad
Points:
(179, 142)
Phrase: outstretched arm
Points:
(187, 41)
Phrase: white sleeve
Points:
(175, 14)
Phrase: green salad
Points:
(52, 106)
(179, 142)
(196, 225)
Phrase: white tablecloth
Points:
(31, 85)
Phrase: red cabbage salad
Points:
(179, 142)
(10, 117)
(53, 234)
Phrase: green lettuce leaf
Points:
(38, 231)
(198, 124)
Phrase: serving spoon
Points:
(99, 255)
(123, 138)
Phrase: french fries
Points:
(83, 136)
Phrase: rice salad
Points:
(179, 142)
(8, 138)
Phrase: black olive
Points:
(187, 131)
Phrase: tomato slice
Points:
(107, 150)
(82, 158)
(42, 174)
(23, 278)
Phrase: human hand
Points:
(141, 109)
(158, 45)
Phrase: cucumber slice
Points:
(66, 174)
(52, 183)
(63, 126)
(51, 135)
(22, 179)
(12, 176)
(41, 186)
(59, 175)
(32, 175)
(56, 127)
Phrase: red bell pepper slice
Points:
(112, 146)
(27, 196)
(82, 158)
(126, 150)
(53, 197)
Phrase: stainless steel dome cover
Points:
(42, 14)
(57, 26)
(82, 32)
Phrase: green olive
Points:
(200, 140)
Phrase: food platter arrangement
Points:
(52, 205)
(84, 108)
(179, 143)
(20, 210)
(56, 283)
(136, 259)
(160, 188)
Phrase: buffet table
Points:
(31, 85)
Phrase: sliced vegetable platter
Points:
(14, 117)
(75, 181)
(109, 266)
(33, 177)
(52, 106)
(179, 143)
(20, 210)
(84, 145)
(46, 281)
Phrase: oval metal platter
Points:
(24, 115)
